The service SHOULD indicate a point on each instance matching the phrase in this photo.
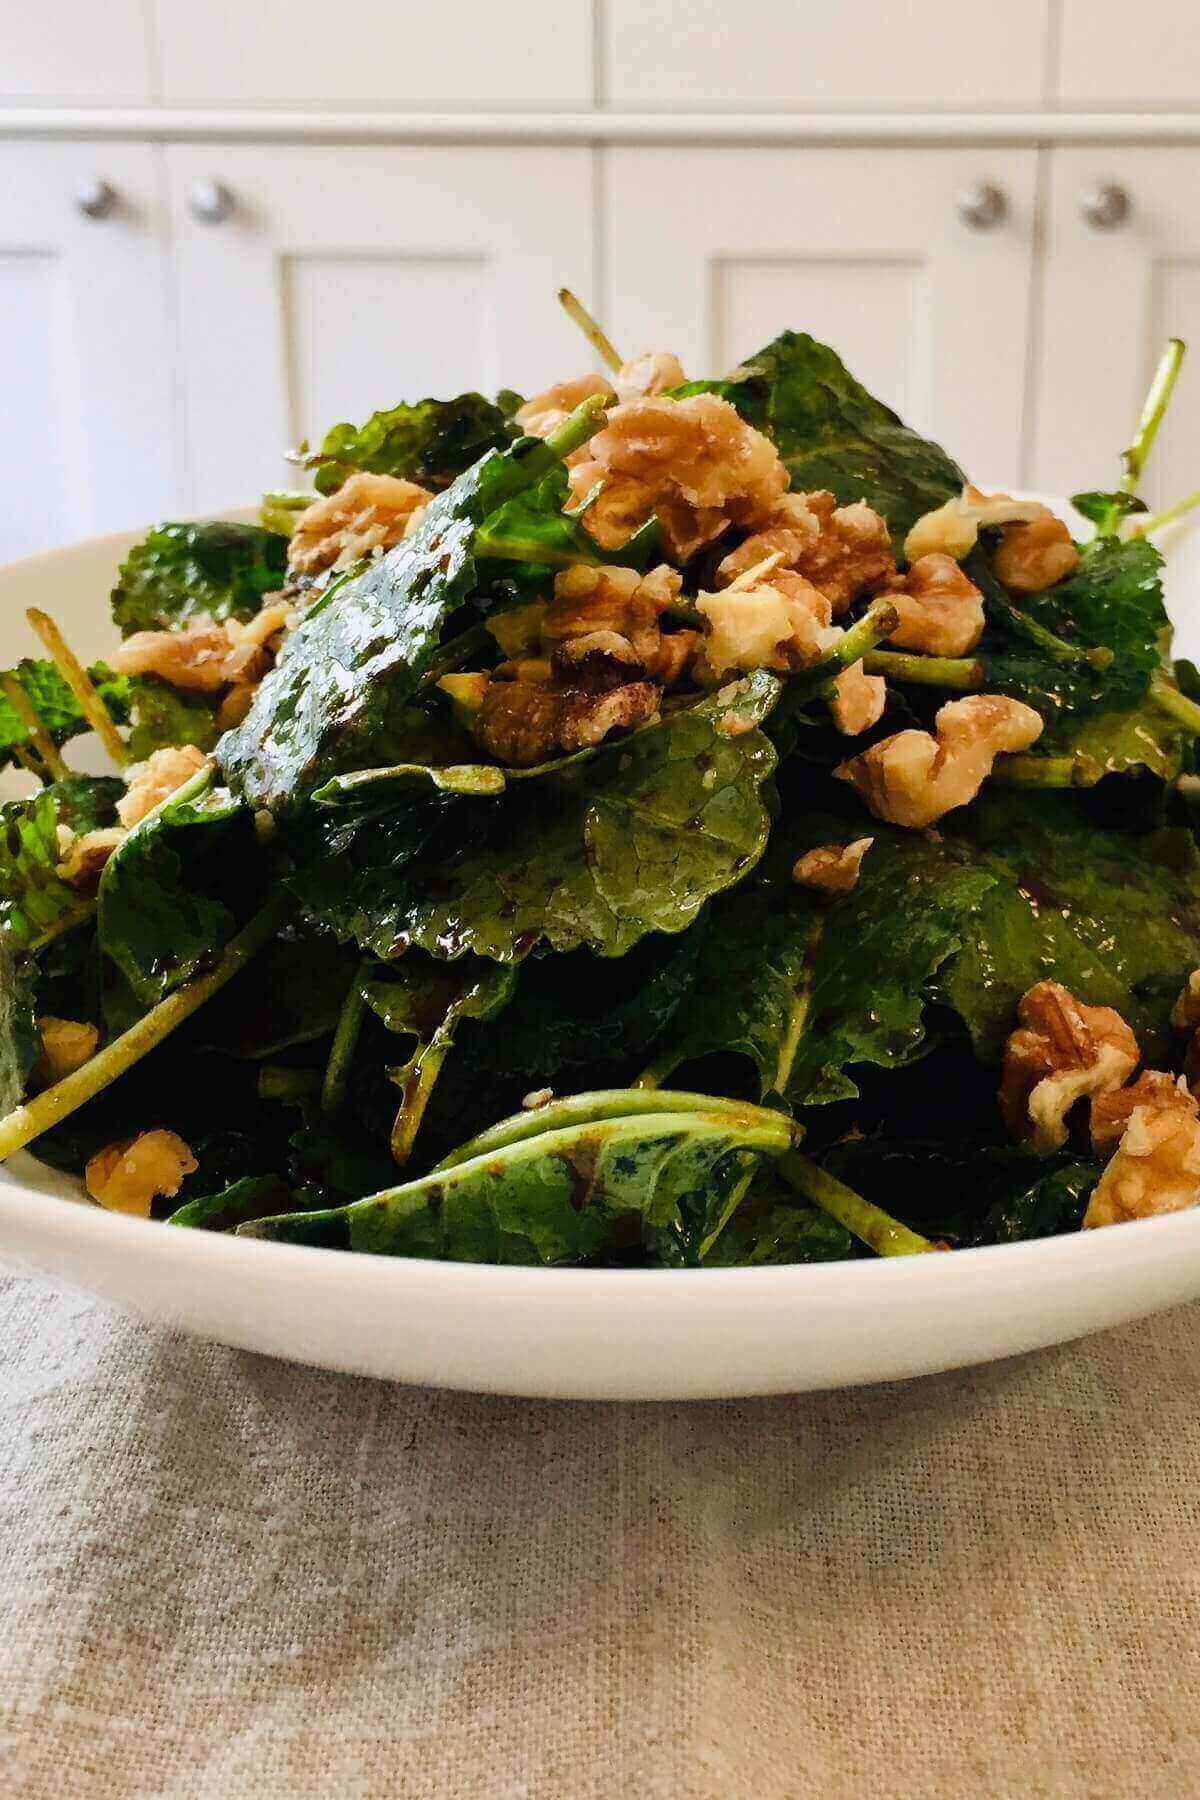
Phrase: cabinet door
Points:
(342, 281)
(1111, 297)
(86, 444)
(711, 252)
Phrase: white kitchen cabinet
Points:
(334, 283)
(710, 252)
(1109, 56)
(87, 439)
(76, 50)
(1111, 295)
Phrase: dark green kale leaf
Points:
(629, 839)
(568, 1194)
(20, 1040)
(769, 1229)
(34, 902)
(57, 706)
(430, 441)
(161, 714)
(86, 802)
(291, 993)
(346, 678)
(968, 1194)
(533, 528)
(169, 891)
(833, 434)
(251, 1197)
(1114, 915)
(334, 1160)
(179, 571)
(808, 988)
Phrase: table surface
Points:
(226, 1576)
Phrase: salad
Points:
(655, 822)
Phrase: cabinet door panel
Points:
(87, 439)
(711, 252)
(347, 281)
(1111, 299)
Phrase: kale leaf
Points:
(291, 993)
(57, 706)
(161, 714)
(180, 571)
(20, 1041)
(1114, 915)
(629, 839)
(833, 434)
(168, 891)
(251, 1197)
(430, 441)
(34, 901)
(563, 1195)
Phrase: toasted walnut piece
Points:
(545, 412)
(953, 529)
(762, 628)
(915, 778)
(846, 551)
(1185, 1014)
(202, 659)
(832, 868)
(694, 462)
(1112, 1112)
(86, 856)
(126, 1177)
(146, 783)
(1034, 556)
(235, 705)
(857, 701)
(1156, 1168)
(651, 373)
(522, 723)
(676, 657)
(940, 608)
(275, 617)
(615, 599)
(368, 512)
(1062, 1052)
(66, 1045)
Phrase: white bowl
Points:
(575, 1333)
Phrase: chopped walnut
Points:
(857, 701)
(83, 863)
(368, 512)
(694, 462)
(846, 551)
(940, 608)
(522, 723)
(147, 783)
(1034, 556)
(1112, 1112)
(651, 373)
(126, 1177)
(1185, 1014)
(546, 412)
(832, 868)
(914, 778)
(610, 599)
(202, 658)
(953, 529)
(66, 1045)
(1062, 1052)
(235, 705)
(275, 618)
(1156, 1168)
(762, 627)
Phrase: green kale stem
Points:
(1156, 521)
(1098, 657)
(1167, 696)
(65, 922)
(579, 315)
(959, 672)
(575, 430)
(53, 1104)
(878, 622)
(457, 651)
(1134, 459)
(1042, 771)
(875, 1228)
(341, 1051)
(416, 1080)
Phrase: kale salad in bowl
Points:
(658, 823)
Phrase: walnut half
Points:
(832, 868)
(1156, 1167)
(914, 778)
(1063, 1052)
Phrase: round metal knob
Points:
(210, 202)
(1106, 206)
(983, 206)
(96, 198)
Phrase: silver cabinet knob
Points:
(96, 198)
(210, 202)
(983, 206)
(1106, 206)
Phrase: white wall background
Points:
(310, 211)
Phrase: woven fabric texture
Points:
(225, 1576)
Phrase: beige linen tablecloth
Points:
(225, 1576)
